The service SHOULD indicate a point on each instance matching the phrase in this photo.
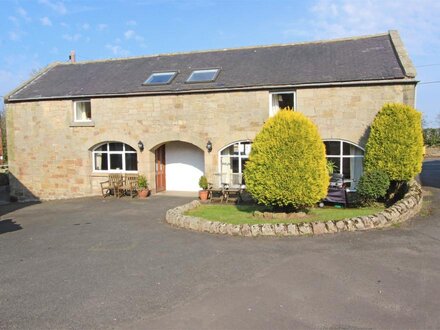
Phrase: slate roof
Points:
(345, 60)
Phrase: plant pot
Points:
(203, 195)
(143, 193)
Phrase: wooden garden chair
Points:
(215, 193)
(130, 185)
(113, 183)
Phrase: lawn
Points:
(241, 214)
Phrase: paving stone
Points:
(359, 223)
(223, 228)
(255, 230)
(292, 229)
(305, 229)
(246, 230)
(280, 229)
(350, 225)
(319, 228)
(341, 225)
(331, 227)
(267, 230)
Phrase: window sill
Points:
(82, 124)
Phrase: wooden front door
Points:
(160, 169)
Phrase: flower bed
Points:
(401, 211)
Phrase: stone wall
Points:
(401, 211)
(50, 157)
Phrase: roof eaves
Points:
(402, 54)
(30, 80)
(223, 90)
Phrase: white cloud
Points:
(131, 23)
(129, 34)
(23, 14)
(56, 6)
(46, 21)
(117, 50)
(14, 35)
(14, 20)
(72, 37)
(132, 35)
(416, 20)
(102, 27)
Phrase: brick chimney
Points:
(72, 57)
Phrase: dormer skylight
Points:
(160, 78)
(207, 75)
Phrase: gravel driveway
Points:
(93, 263)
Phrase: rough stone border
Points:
(401, 211)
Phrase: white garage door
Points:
(185, 165)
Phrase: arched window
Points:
(114, 157)
(347, 158)
(232, 160)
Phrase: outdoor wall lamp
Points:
(141, 145)
(209, 146)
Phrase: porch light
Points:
(141, 145)
(209, 146)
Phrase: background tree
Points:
(395, 144)
(287, 165)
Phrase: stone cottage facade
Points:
(175, 117)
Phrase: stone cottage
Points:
(175, 117)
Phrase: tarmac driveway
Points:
(93, 263)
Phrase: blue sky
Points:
(36, 33)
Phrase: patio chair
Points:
(130, 185)
(215, 193)
(111, 185)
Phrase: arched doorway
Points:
(179, 166)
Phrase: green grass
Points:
(241, 214)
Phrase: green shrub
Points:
(287, 165)
(203, 182)
(395, 144)
(373, 185)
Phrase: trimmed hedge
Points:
(395, 144)
(287, 164)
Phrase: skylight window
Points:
(203, 75)
(160, 78)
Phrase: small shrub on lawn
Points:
(372, 186)
(287, 167)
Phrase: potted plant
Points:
(143, 191)
(203, 183)
(331, 167)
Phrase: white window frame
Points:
(271, 94)
(76, 120)
(341, 155)
(108, 152)
(239, 156)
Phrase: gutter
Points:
(218, 90)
